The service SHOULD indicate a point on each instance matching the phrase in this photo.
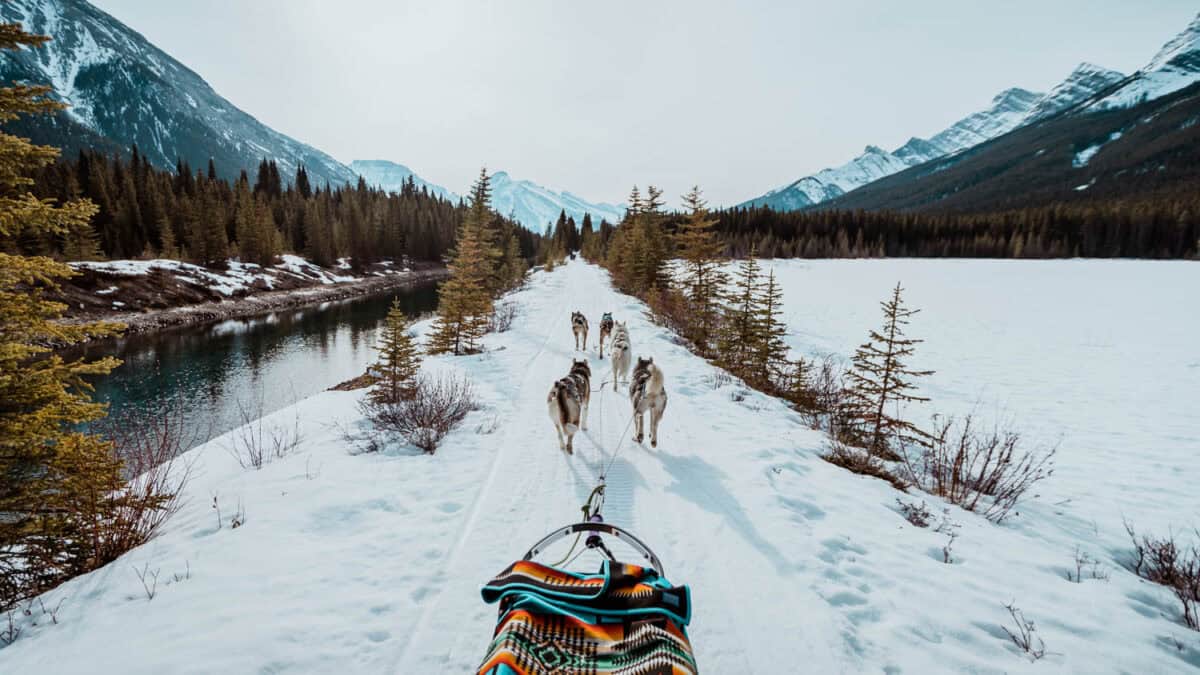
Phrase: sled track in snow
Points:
(472, 517)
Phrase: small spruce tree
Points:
(399, 359)
(739, 331)
(770, 355)
(880, 380)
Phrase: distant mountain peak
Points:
(1015, 96)
(526, 202)
(390, 176)
(1182, 51)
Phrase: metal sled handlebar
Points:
(593, 541)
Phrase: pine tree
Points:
(704, 281)
(739, 331)
(168, 248)
(46, 464)
(770, 355)
(465, 299)
(880, 380)
(399, 360)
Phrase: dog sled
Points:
(625, 619)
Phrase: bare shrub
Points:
(1171, 564)
(985, 472)
(860, 462)
(1086, 567)
(917, 514)
(1025, 637)
(502, 317)
(257, 442)
(438, 405)
(150, 449)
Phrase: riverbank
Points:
(159, 294)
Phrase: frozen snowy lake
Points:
(1100, 356)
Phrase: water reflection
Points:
(271, 361)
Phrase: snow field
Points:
(373, 563)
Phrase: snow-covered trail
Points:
(372, 563)
(677, 501)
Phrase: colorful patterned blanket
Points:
(626, 620)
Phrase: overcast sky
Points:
(592, 97)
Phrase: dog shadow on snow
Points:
(703, 484)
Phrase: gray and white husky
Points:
(621, 355)
(647, 393)
(568, 401)
(579, 327)
(606, 326)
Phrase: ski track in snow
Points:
(373, 563)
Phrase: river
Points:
(215, 372)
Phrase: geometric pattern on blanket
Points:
(624, 620)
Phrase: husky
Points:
(620, 352)
(568, 401)
(606, 326)
(579, 326)
(647, 393)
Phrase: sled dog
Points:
(606, 326)
(647, 393)
(579, 327)
(620, 353)
(567, 403)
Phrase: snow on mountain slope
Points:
(391, 176)
(124, 89)
(373, 563)
(1175, 66)
(535, 206)
(1007, 110)
(524, 201)
(1085, 81)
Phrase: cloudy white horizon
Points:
(595, 97)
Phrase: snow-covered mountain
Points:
(1085, 81)
(1175, 66)
(1009, 110)
(391, 176)
(524, 201)
(535, 206)
(124, 91)
(1006, 111)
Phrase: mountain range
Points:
(1087, 89)
(1009, 109)
(1137, 136)
(524, 201)
(124, 91)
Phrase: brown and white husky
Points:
(579, 326)
(606, 326)
(568, 403)
(621, 354)
(647, 393)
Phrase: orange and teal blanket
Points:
(625, 620)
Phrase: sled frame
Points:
(597, 528)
